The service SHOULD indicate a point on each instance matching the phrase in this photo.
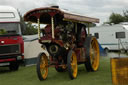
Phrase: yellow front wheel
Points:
(42, 66)
(72, 64)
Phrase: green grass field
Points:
(28, 76)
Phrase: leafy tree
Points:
(27, 28)
(22, 24)
(30, 29)
(116, 18)
(125, 14)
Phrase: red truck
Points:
(11, 41)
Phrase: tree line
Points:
(27, 28)
(117, 18)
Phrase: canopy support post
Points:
(88, 29)
(38, 21)
(75, 27)
(52, 22)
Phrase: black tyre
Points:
(92, 54)
(72, 64)
(42, 66)
(14, 66)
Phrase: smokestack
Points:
(55, 6)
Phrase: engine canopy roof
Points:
(45, 14)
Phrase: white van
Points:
(106, 35)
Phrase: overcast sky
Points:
(94, 8)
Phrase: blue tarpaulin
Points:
(102, 52)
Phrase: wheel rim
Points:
(94, 54)
(44, 66)
(74, 65)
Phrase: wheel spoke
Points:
(41, 66)
(72, 64)
(93, 43)
(42, 70)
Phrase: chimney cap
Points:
(55, 6)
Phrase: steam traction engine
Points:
(66, 41)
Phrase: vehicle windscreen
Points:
(10, 29)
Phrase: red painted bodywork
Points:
(80, 52)
(11, 40)
(8, 60)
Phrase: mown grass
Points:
(28, 76)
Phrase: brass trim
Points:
(52, 22)
(45, 41)
(38, 21)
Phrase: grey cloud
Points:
(95, 8)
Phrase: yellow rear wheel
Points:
(42, 66)
(92, 54)
(72, 64)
